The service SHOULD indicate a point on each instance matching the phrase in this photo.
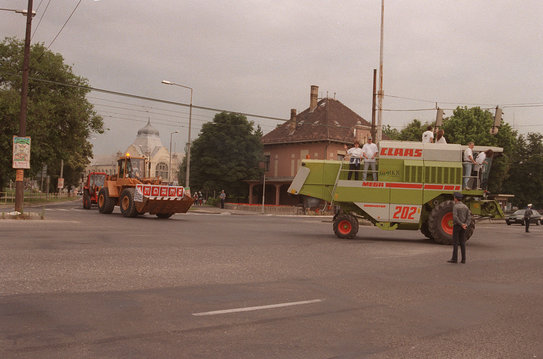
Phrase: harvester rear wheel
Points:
(105, 202)
(440, 223)
(345, 226)
(128, 207)
(164, 215)
(86, 200)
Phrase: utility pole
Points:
(373, 94)
(381, 93)
(19, 175)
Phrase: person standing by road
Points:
(369, 151)
(461, 221)
(527, 215)
(355, 156)
(222, 196)
(468, 164)
(428, 135)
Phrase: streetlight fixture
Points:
(170, 167)
(187, 176)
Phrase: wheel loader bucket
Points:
(155, 199)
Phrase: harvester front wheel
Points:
(425, 230)
(345, 226)
(440, 223)
(86, 200)
(128, 207)
(164, 215)
(105, 202)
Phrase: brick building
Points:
(319, 132)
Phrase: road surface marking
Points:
(248, 309)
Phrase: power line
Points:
(157, 100)
(41, 17)
(62, 28)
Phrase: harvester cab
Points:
(413, 190)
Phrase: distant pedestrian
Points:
(461, 221)
(222, 196)
(440, 138)
(428, 135)
(527, 215)
(200, 197)
(195, 197)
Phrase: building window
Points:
(162, 170)
(266, 163)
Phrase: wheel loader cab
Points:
(130, 167)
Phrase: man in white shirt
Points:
(428, 135)
(369, 151)
(468, 164)
(355, 156)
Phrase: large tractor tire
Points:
(128, 207)
(86, 200)
(105, 202)
(425, 230)
(440, 223)
(345, 226)
(164, 215)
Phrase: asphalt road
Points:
(84, 285)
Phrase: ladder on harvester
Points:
(332, 194)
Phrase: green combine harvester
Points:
(414, 189)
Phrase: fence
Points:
(31, 197)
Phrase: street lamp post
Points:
(19, 178)
(187, 176)
(170, 166)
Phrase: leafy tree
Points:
(412, 132)
(227, 152)
(391, 133)
(526, 176)
(60, 119)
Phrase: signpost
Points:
(21, 153)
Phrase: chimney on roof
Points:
(313, 98)
(292, 124)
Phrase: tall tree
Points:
(525, 180)
(412, 132)
(60, 119)
(226, 152)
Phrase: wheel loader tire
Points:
(128, 207)
(425, 230)
(440, 223)
(346, 226)
(164, 215)
(86, 200)
(105, 202)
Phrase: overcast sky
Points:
(261, 57)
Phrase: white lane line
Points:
(248, 309)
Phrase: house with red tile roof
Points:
(319, 132)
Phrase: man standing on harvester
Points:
(369, 151)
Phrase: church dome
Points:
(148, 130)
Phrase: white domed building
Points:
(148, 144)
